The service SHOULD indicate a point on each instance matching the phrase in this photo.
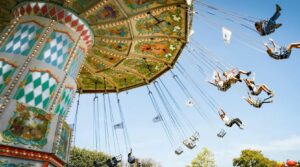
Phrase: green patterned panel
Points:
(28, 126)
(10, 164)
(56, 50)
(37, 89)
(76, 64)
(23, 39)
(6, 72)
(64, 102)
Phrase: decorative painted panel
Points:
(6, 71)
(120, 31)
(163, 50)
(22, 40)
(37, 89)
(148, 68)
(28, 126)
(76, 64)
(171, 24)
(64, 141)
(56, 49)
(118, 47)
(65, 101)
(123, 79)
(107, 12)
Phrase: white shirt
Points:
(226, 120)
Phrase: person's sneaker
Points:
(278, 25)
(278, 8)
(271, 94)
(248, 73)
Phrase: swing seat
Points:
(195, 136)
(222, 133)
(117, 159)
(189, 144)
(131, 160)
(178, 151)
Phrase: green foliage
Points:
(253, 158)
(204, 159)
(83, 158)
(149, 163)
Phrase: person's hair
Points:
(269, 51)
(258, 26)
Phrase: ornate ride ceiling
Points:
(135, 41)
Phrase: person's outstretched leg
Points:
(266, 89)
(276, 14)
(293, 45)
(236, 121)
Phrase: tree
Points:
(253, 158)
(204, 159)
(149, 163)
(82, 157)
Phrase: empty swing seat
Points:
(222, 133)
(117, 159)
(195, 136)
(189, 144)
(178, 151)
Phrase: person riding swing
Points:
(229, 122)
(280, 52)
(258, 102)
(257, 89)
(230, 78)
(266, 27)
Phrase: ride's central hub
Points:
(49, 50)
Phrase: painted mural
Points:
(64, 141)
(37, 89)
(171, 24)
(22, 40)
(28, 126)
(81, 5)
(6, 71)
(64, 102)
(107, 12)
(121, 31)
(123, 79)
(121, 47)
(148, 68)
(135, 4)
(163, 49)
(57, 49)
(6, 163)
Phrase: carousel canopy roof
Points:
(135, 41)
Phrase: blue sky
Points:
(274, 128)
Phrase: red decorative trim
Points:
(47, 158)
(8, 62)
(59, 14)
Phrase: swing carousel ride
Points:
(53, 49)
(117, 45)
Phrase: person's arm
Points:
(273, 43)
